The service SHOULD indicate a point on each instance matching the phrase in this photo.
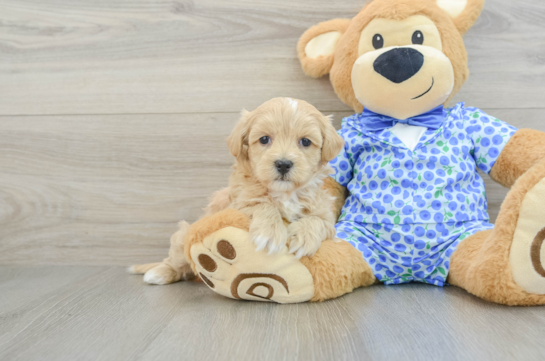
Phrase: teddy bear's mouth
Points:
(427, 91)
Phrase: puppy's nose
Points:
(399, 64)
(283, 166)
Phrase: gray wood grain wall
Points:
(114, 114)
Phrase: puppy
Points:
(282, 150)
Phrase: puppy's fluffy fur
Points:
(300, 135)
(286, 207)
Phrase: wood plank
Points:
(101, 313)
(125, 56)
(109, 190)
(99, 188)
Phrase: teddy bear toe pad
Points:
(228, 263)
(527, 256)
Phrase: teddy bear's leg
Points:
(506, 264)
(221, 253)
(338, 268)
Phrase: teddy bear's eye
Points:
(418, 38)
(378, 41)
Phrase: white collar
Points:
(408, 134)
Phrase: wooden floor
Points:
(100, 313)
(113, 120)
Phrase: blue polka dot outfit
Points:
(408, 210)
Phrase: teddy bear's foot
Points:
(227, 261)
(527, 254)
(506, 264)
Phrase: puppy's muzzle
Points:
(283, 166)
(399, 64)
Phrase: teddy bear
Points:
(411, 204)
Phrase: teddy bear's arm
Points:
(339, 192)
(524, 149)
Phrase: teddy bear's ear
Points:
(317, 44)
(464, 12)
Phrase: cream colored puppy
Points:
(282, 151)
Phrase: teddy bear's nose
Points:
(399, 64)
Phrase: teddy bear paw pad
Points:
(228, 263)
(527, 255)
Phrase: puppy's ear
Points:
(238, 137)
(464, 13)
(317, 44)
(333, 142)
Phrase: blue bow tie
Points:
(374, 122)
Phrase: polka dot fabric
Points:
(408, 210)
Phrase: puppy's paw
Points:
(304, 240)
(159, 277)
(165, 274)
(272, 236)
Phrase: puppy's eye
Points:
(418, 38)
(305, 142)
(264, 140)
(378, 41)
